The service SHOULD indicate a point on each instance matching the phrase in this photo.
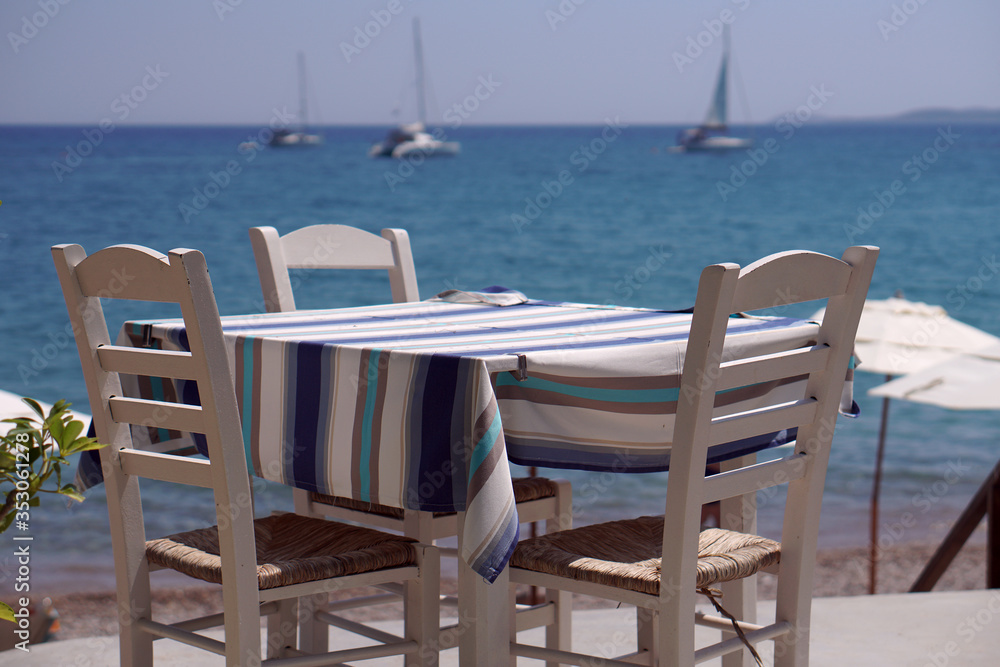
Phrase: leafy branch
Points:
(30, 454)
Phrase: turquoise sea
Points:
(594, 214)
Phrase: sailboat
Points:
(711, 134)
(300, 136)
(414, 137)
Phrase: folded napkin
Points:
(495, 295)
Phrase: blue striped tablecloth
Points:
(412, 405)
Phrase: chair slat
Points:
(778, 280)
(745, 372)
(150, 363)
(157, 414)
(180, 470)
(128, 272)
(336, 245)
(754, 478)
(765, 420)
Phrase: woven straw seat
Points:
(626, 554)
(525, 490)
(291, 549)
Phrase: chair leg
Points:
(512, 606)
(241, 603)
(795, 579)
(314, 635)
(675, 629)
(559, 635)
(646, 631)
(281, 629)
(131, 575)
(135, 646)
(422, 609)
(739, 597)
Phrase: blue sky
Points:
(554, 61)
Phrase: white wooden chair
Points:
(343, 247)
(330, 247)
(264, 565)
(660, 564)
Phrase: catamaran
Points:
(414, 137)
(300, 136)
(711, 134)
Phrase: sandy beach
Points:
(839, 572)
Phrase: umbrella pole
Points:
(876, 484)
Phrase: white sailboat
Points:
(414, 137)
(711, 134)
(297, 137)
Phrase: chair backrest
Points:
(710, 367)
(140, 274)
(330, 247)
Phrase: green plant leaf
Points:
(70, 492)
(33, 404)
(6, 613)
(71, 432)
(85, 445)
(55, 425)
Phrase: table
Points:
(421, 405)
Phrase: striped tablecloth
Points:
(420, 405)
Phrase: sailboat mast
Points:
(302, 89)
(419, 49)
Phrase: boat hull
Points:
(411, 140)
(296, 139)
(714, 145)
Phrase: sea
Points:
(596, 214)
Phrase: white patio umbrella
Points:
(968, 381)
(899, 337)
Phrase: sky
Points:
(233, 62)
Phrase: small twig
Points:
(712, 594)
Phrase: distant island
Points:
(928, 116)
(948, 116)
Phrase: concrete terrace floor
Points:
(906, 630)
